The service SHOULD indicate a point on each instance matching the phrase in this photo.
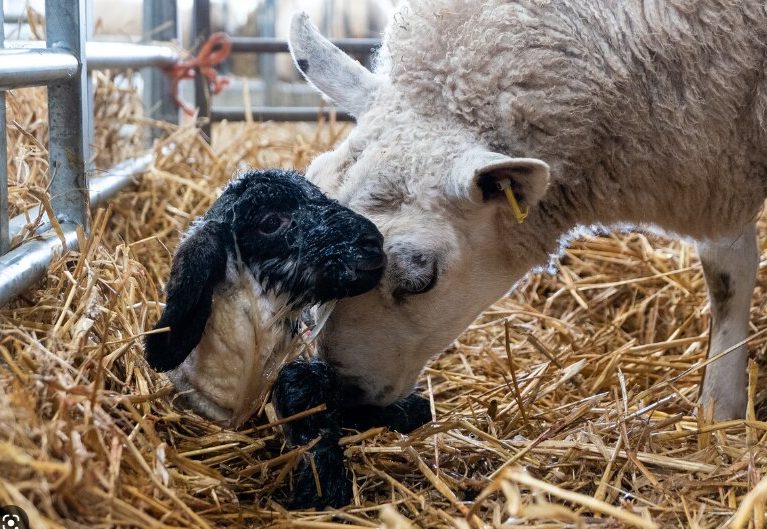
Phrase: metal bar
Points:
(202, 30)
(17, 17)
(105, 55)
(120, 176)
(100, 189)
(25, 265)
(31, 67)
(113, 55)
(161, 22)
(278, 114)
(90, 85)
(22, 267)
(276, 45)
(5, 243)
(267, 64)
(68, 114)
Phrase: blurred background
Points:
(270, 79)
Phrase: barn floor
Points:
(586, 420)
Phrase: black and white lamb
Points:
(270, 245)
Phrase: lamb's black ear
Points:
(198, 266)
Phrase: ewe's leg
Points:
(730, 270)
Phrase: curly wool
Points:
(659, 101)
(647, 113)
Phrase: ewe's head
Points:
(431, 187)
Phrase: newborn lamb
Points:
(269, 246)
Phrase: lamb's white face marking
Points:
(227, 375)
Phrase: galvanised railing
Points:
(62, 64)
(264, 44)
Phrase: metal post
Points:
(267, 66)
(356, 46)
(68, 113)
(161, 22)
(91, 93)
(5, 244)
(201, 91)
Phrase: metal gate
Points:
(265, 45)
(62, 64)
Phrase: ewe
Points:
(590, 111)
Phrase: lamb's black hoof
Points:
(403, 416)
(335, 484)
(301, 386)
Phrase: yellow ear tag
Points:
(505, 186)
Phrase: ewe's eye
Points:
(271, 223)
(419, 281)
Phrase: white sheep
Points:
(592, 111)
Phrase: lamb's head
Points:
(270, 245)
(301, 246)
(434, 190)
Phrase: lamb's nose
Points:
(372, 255)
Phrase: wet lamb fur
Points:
(302, 385)
(277, 236)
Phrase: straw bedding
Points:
(570, 403)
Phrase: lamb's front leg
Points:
(403, 416)
(729, 266)
(321, 478)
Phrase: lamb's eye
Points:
(271, 223)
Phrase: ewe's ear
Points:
(342, 79)
(477, 173)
